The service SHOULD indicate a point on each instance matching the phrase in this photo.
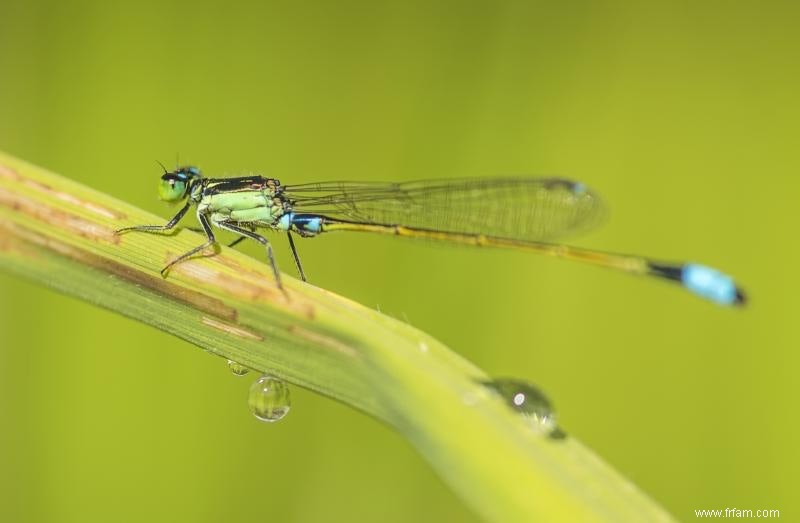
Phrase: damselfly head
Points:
(175, 184)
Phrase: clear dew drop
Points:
(530, 402)
(269, 399)
(237, 368)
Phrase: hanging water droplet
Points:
(530, 402)
(269, 399)
(237, 368)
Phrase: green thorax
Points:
(251, 199)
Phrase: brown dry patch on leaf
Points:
(232, 329)
(252, 287)
(9, 174)
(197, 300)
(323, 340)
(96, 208)
(9, 241)
(58, 218)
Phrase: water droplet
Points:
(530, 402)
(269, 399)
(237, 368)
(423, 347)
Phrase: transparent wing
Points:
(531, 209)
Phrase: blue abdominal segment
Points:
(308, 223)
(285, 222)
(703, 281)
(710, 283)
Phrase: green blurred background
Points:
(683, 115)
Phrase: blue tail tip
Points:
(712, 285)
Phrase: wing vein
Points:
(532, 209)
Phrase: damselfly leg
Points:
(232, 227)
(237, 241)
(211, 241)
(155, 228)
(234, 243)
(296, 257)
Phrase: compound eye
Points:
(171, 189)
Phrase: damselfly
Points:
(520, 213)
